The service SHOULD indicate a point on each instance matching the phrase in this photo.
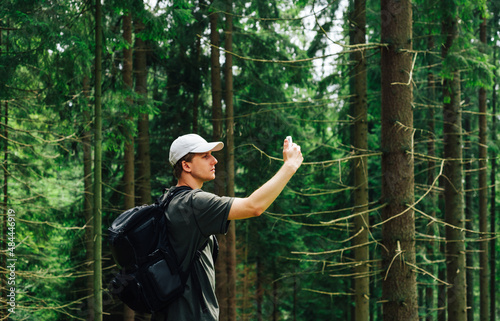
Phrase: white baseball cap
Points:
(191, 143)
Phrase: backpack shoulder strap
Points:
(169, 194)
(196, 281)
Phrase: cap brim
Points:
(208, 147)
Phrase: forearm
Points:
(264, 196)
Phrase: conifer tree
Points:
(453, 171)
(484, 277)
(360, 164)
(399, 288)
(97, 210)
(230, 239)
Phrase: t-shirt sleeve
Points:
(211, 212)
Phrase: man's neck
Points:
(187, 180)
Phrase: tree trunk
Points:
(88, 199)
(453, 184)
(98, 167)
(469, 215)
(493, 213)
(141, 83)
(431, 176)
(246, 269)
(484, 276)
(196, 94)
(276, 312)
(399, 289)
(128, 170)
(220, 179)
(231, 234)
(360, 165)
(128, 175)
(221, 267)
(198, 83)
(259, 296)
(442, 293)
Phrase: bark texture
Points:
(398, 232)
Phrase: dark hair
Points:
(178, 166)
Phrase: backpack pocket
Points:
(163, 283)
(151, 287)
(128, 288)
(165, 280)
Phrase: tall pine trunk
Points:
(97, 211)
(469, 214)
(221, 275)
(360, 164)
(259, 295)
(453, 172)
(217, 121)
(431, 176)
(128, 170)
(493, 157)
(276, 312)
(399, 289)
(484, 276)
(143, 161)
(231, 234)
(88, 199)
(442, 288)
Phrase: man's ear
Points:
(186, 166)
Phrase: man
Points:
(194, 216)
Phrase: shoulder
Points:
(198, 200)
(202, 200)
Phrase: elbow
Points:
(244, 208)
(256, 212)
(254, 208)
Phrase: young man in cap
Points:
(194, 216)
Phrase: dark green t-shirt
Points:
(193, 217)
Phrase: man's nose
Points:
(215, 161)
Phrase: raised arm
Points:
(263, 197)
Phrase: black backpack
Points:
(150, 277)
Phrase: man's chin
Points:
(210, 178)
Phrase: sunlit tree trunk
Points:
(399, 288)
(453, 172)
(97, 210)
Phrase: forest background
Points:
(391, 217)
